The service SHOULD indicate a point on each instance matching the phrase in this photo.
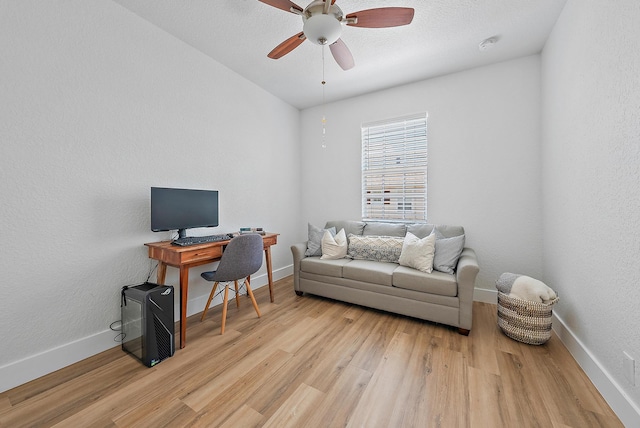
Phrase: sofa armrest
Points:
(297, 250)
(466, 273)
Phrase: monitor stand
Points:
(182, 233)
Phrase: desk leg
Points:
(162, 272)
(184, 295)
(267, 254)
(162, 275)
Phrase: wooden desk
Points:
(184, 258)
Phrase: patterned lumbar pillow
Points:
(314, 248)
(377, 248)
(418, 253)
(334, 248)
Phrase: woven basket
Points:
(523, 320)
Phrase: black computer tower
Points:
(147, 322)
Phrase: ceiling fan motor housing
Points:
(321, 28)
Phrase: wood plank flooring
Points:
(314, 362)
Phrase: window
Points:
(394, 169)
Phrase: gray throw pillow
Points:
(314, 246)
(448, 252)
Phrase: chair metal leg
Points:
(253, 299)
(237, 299)
(206, 308)
(224, 307)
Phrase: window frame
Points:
(386, 189)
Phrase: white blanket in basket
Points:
(525, 288)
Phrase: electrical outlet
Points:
(629, 368)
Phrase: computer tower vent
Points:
(147, 322)
(164, 339)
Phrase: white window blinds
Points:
(394, 169)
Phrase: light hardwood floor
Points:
(313, 362)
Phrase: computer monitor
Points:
(182, 209)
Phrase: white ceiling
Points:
(443, 38)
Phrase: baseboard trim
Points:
(35, 366)
(626, 410)
(485, 296)
(22, 371)
(610, 390)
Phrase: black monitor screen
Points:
(183, 209)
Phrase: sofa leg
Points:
(463, 331)
(299, 293)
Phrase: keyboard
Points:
(194, 240)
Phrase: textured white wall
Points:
(484, 159)
(97, 106)
(591, 176)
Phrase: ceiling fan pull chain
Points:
(324, 119)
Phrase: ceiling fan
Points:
(322, 24)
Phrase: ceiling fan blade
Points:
(287, 46)
(382, 17)
(342, 55)
(285, 5)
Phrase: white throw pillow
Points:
(418, 253)
(334, 248)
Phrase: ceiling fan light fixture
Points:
(322, 29)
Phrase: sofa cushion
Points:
(385, 229)
(423, 229)
(314, 247)
(377, 248)
(370, 271)
(323, 267)
(436, 282)
(349, 226)
(418, 253)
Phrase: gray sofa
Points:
(440, 297)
